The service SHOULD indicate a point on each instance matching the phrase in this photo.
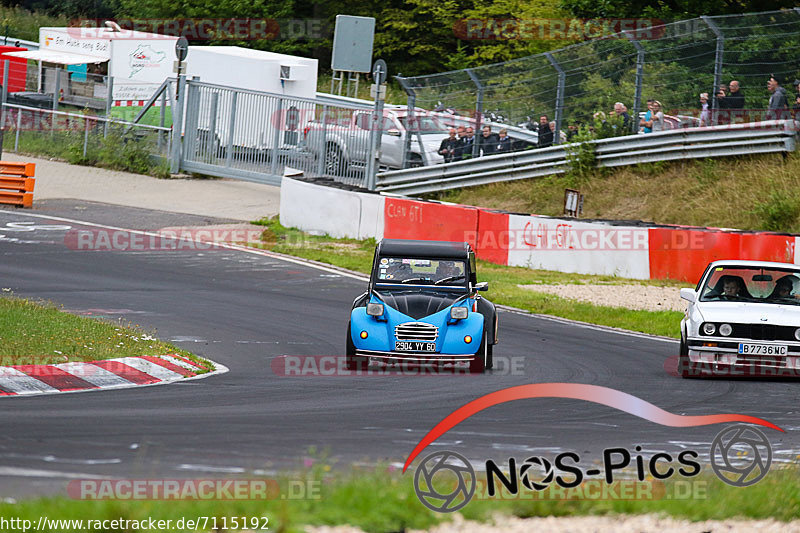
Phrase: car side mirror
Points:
(482, 286)
(688, 295)
(393, 132)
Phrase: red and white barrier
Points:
(565, 245)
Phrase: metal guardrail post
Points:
(559, 97)
(16, 135)
(273, 167)
(212, 125)
(231, 125)
(57, 88)
(177, 126)
(162, 118)
(717, 65)
(410, 120)
(3, 100)
(478, 112)
(637, 96)
(109, 104)
(321, 141)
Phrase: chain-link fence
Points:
(671, 63)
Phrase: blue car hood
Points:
(418, 304)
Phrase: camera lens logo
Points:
(445, 482)
(542, 464)
(741, 455)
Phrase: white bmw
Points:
(743, 319)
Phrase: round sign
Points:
(181, 48)
(292, 118)
(380, 67)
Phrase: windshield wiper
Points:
(409, 280)
(449, 278)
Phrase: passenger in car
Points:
(784, 288)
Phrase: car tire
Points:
(685, 366)
(352, 361)
(335, 164)
(490, 356)
(477, 365)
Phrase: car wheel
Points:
(352, 361)
(334, 161)
(685, 366)
(490, 356)
(477, 365)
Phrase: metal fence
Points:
(81, 138)
(740, 139)
(672, 63)
(255, 135)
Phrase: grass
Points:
(758, 193)
(383, 500)
(394, 92)
(503, 281)
(40, 333)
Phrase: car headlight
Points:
(709, 328)
(458, 313)
(797, 334)
(375, 309)
(725, 330)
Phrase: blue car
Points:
(422, 305)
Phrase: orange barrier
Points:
(428, 221)
(16, 183)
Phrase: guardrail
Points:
(16, 183)
(772, 136)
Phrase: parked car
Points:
(422, 305)
(743, 319)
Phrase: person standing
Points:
(488, 141)
(458, 152)
(503, 142)
(735, 102)
(448, 147)
(705, 112)
(721, 114)
(621, 111)
(658, 117)
(776, 109)
(469, 143)
(545, 133)
(646, 122)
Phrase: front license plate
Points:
(414, 346)
(761, 349)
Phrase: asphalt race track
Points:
(245, 310)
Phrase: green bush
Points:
(779, 212)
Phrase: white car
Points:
(743, 319)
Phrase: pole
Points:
(717, 65)
(478, 112)
(375, 132)
(410, 120)
(637, 97)
(109, 103)
(559, 96)
(177, 125)
(3, 106)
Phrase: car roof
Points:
(747, 263)
(432, 249)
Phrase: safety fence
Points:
(690, 143)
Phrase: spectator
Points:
(777, 101)
(735, 103)
(646, 123)
(796, 106)
(469, 143)
(562, 137)
(503, 142)
(488, 141)
(721, 107)
(622, 111)
(572, 131)
(458, 153)
(705, 112)
(545, 133)
(448, 147)
(658, 117)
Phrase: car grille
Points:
(763, 332)
(416, 331)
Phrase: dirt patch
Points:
(639, 297)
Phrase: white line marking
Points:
(32, 472)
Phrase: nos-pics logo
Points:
(445, 481)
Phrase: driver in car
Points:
(731, 287)
(447, 269)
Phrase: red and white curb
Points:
(25, 380)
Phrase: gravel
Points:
(633, 296)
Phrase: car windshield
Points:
(425, 124)
(752, 284)
(411, 270)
